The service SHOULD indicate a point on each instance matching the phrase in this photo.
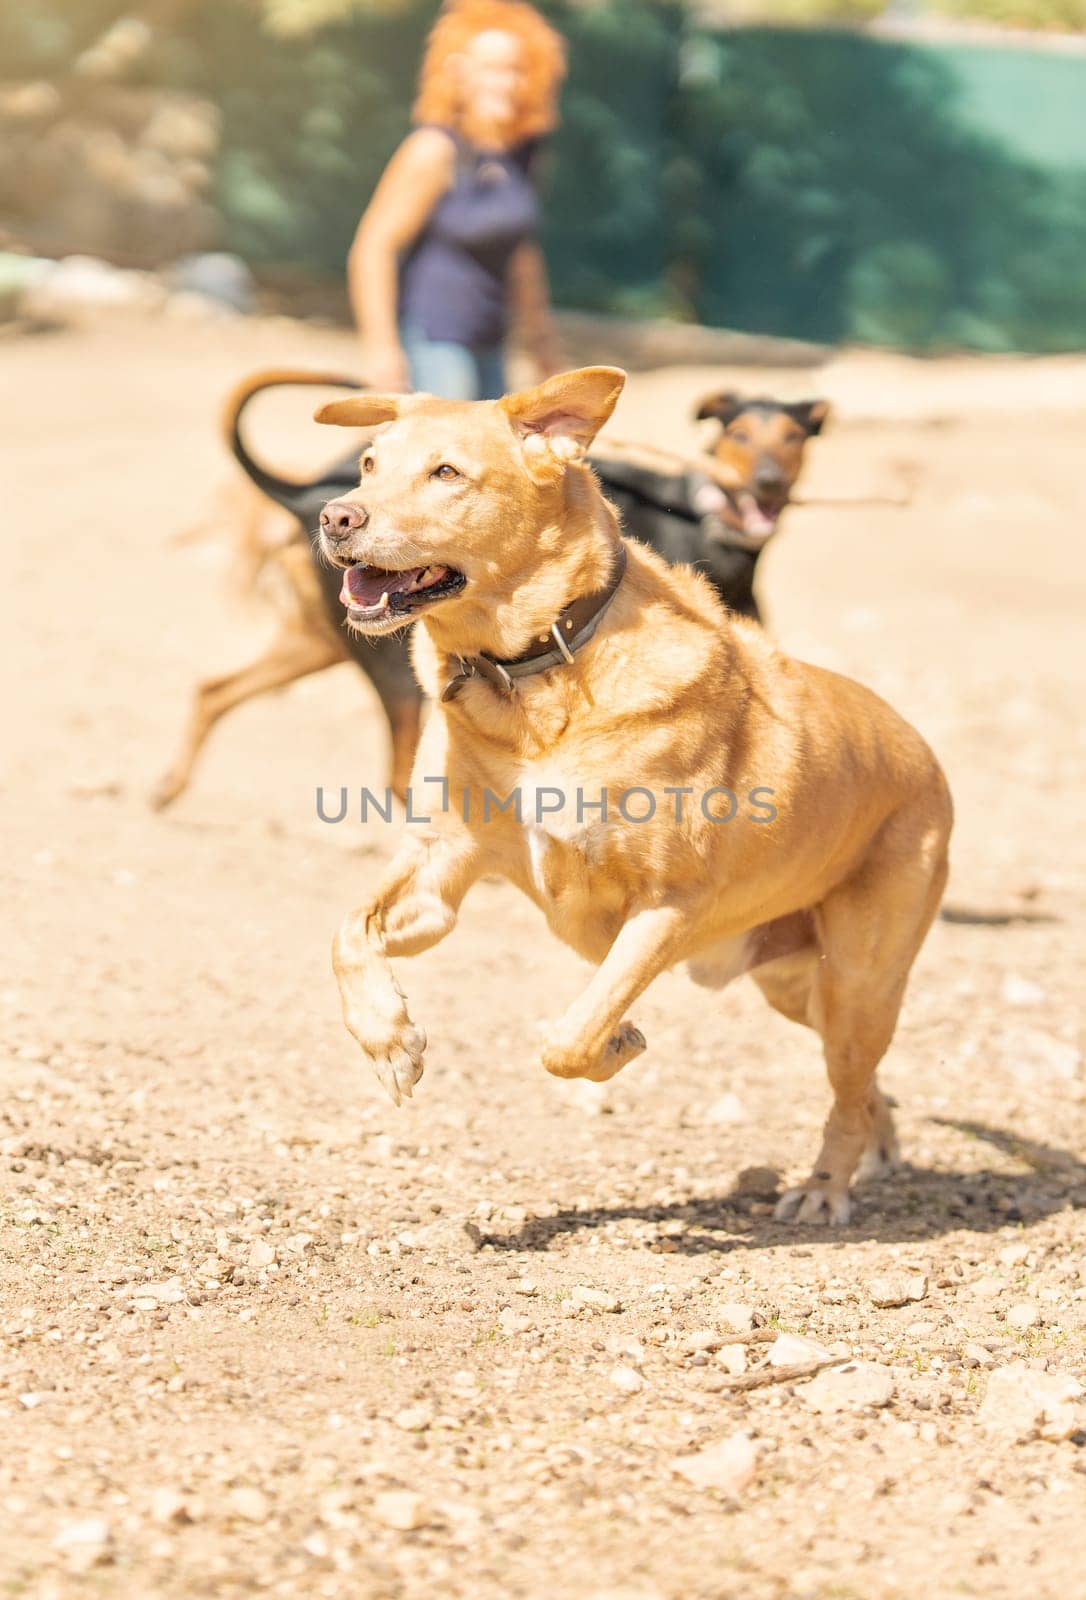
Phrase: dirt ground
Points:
(261, 1332)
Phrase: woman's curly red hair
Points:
(439, 99)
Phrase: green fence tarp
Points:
(817, 183)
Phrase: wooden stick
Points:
(800, 1369)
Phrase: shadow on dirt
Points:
(914, 1204)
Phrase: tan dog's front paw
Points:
(817, 1201)
(398, 1063)
(571, 1061)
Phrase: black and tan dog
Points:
(718, 522)
(717, 516)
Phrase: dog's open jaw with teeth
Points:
(376, 594)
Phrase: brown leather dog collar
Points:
(571, 630)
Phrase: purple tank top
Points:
(453, 279)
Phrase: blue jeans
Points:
(453, 371)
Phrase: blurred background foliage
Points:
(823, 183)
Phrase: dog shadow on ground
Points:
(913, 1205)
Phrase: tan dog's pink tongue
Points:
(366, 587)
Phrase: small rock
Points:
(726, 1112)
(733, 1358)
(977, 1355)
(262, 1254)
(758, 1183)
(1025, 1404)
(850, 1388)
(513, 1322)
(85, 1544)
(217, 276)
(988, 1288)
(1013, 1255)
(1019, 991)
(250, 1504)
(897, 1289)
(597, 1299)
(727, 1467)
(791, 1349)
(700, 1339)
(1023, 1316)
(1033, 1056)
(736, 1318)
(626, 1380)
(169, 1506)
(145, 1302)
(170, 1293)
(401, 1509)
(525, 1286)
(956, 1504)
(413, 1419)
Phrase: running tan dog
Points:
(565, 661)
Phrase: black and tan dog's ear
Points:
(810, 414)
(361, 410)
(562, 416)
(723, 407)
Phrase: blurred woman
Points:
(446, 257)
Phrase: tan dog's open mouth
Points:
(379, 594)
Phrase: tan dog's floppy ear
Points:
(565, 413)
(360, 411)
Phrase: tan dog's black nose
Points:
(340, 519)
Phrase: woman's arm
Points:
(411, 185)
(529, 302)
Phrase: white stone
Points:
(728, 1111)
(736, 1318)
(626, 1380)
(1023, 1316)
(596, 1299)
(261, 1254)
(733, 1359)
(1025, 1404)
(401, 1509)
(169, 1505)
(850, 1388)
(701, 1339)
(250, 1504)
(728, 1467)
(413, 1419)
(1018, 991)
(513, 1322)
(897, 1288)
(792, 1349)
(1033, 1056)
(84, 1543)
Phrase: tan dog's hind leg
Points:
(870, 930)
(788, 985)
(592, 1040)
(293, 654)
(415, 907)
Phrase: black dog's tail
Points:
(285, 492)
